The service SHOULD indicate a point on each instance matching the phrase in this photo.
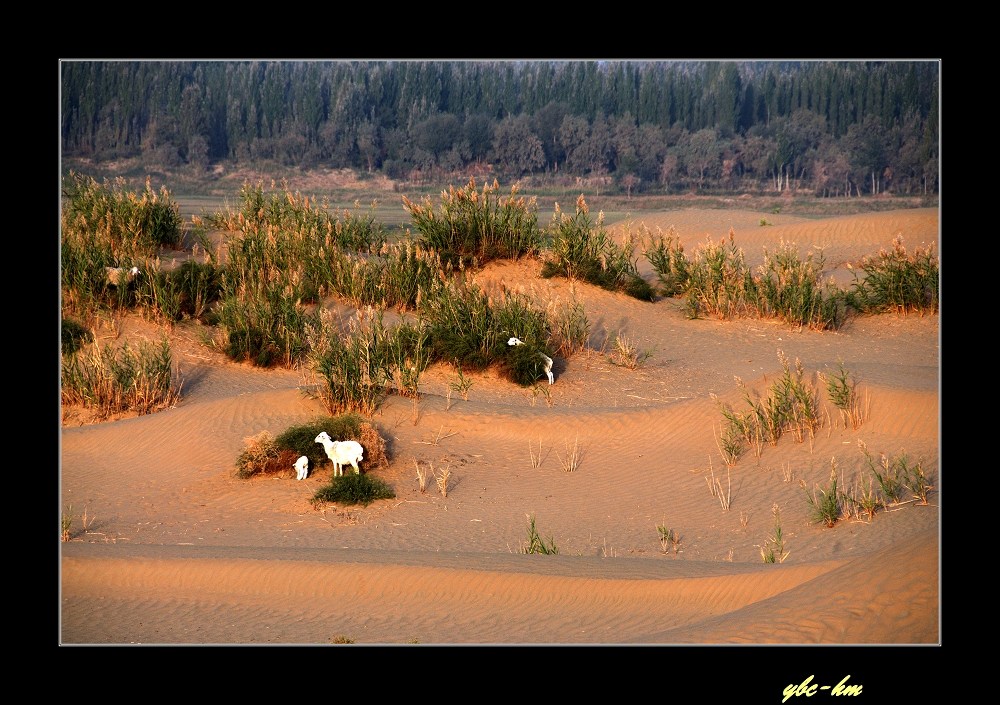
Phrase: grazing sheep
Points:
(301, 467)
(341, 453)
(545, 358)
(119, 276)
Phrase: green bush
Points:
(114, 380)
(302, 438)
(199, 285)
(473, 227)
(471, 330)
(107, 225)
(354, 489)
(579, 247)
(666, 254)
(895, 281)
(523, 364)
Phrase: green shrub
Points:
(791, 289)
(666, 254)
(301, 440)
(199, 285)
(367, 362)
(354, 489)
(579, 247)
(469, 329)
(107, 225)
(523, 364)
(895, 281)
(791, 404)
(473, 227)
(114, 380)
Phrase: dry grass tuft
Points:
(376, 450)
(442, 476)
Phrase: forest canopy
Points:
(830, 127)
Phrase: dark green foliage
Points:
(354, 489)
(638, 288)
(402, 118)
(268, 330)
(301, 440)
(897, 282)
(580, 248)
(473, 227)
(523, 364)
(73, 335)
(471, 330)
(199, 285)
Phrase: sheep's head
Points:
(323, 438)
(515, 341)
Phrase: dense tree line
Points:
(835, 127)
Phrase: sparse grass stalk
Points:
(669, 539)
(442, 477)
(889, 473)
(825, 507)
(535, 543)
(627, 354)
(864, 498)
(536, 458)
(915, 479)
(573, 456)
(66, 523)
(842, 390)
(773, 550)
(422, 476)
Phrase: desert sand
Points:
(178, 551)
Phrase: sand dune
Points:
(178, 551)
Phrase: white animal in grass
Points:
(119, 276)
(301, 467)
(545, 358)
(341, 453)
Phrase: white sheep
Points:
(341, 453)
(301, 467)
(119, 276)
(545, 358)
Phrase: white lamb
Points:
(119, 276)
(341, 453)
(545, 358)
(301, 467)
